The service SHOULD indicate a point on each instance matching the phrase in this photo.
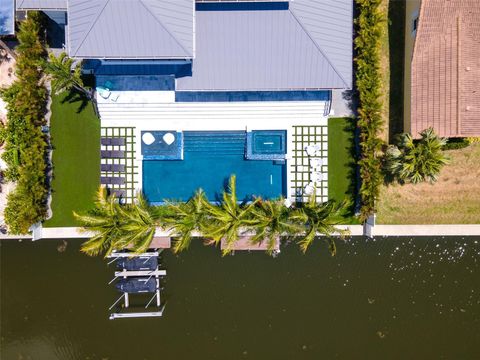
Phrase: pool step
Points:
(215, 142)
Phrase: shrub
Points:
(368, 82)
(456, 143)
(416, 161)
(25, 144)
(3, 133)
(473, 140)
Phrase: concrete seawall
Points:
(355, 230)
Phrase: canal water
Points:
(392, 298)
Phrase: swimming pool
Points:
(209, 160)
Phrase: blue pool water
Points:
(209, 160)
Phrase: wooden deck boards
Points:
(244, 243)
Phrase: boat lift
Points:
(137, 274)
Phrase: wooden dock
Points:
(159, 242)
(125, 273)
(245, 243)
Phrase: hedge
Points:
(456, 143)
(25, 144)
(369, 86)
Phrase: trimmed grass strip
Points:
(75, 132)
(341, 164)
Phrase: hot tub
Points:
(266, 145)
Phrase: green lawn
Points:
(341, 164)
(75, 132)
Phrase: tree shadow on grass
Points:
(76, 97)
(351, 193)
(396, 43)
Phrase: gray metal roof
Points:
(41, 4)
(272, 49)
(330, 24)
(7, 17)
(123, 29)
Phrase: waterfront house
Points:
(442, 67)
(189, 92)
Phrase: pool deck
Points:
(148, 111)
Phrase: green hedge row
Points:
(25, 144)
(456, 143)
(369, 85)
(460, 143)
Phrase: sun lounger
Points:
(103, 92)
(317, 176)
(316, 163)
(114, 141)
(112, 154)
(312, 150)
(309, 189)
(114, 97)
(112, 167)
(111, 180)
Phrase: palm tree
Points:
(416, 161)
(65, 75)
(116, 227)
(319, 219)
(185, 218)
(104, 222)
(138, 227)
(229, 219)
(272, 221)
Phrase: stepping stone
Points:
(112, 154)
(112, 167)
(116, 141)
(110, 180)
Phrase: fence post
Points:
(369, 226)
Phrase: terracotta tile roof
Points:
(446, 69)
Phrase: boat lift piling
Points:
(116, 301)
(135, 276)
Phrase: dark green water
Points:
(384, 299)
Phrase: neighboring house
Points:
(7, 17)
(222, 87)
(442, 67)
